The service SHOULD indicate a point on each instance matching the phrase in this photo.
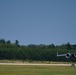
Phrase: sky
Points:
(38, 21)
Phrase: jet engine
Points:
(74, 54)
(68, 55)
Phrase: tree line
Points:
(41, 52)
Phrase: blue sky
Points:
(38, 21)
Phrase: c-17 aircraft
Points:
(67, 55)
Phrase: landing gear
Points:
(72, 65)
(70, 60)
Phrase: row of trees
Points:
(3, 41)
(67, 46)
(41, 52)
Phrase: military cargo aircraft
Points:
(67, 55)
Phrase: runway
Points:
(33, 64)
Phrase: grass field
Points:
(36, 70)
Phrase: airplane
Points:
(67, 55)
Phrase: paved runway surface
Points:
(36, 64)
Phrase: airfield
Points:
(34, 64)
(36, 69)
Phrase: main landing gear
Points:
(72, 65)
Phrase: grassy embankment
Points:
(36, 70)
(36, 62)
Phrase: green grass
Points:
(36, 70)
